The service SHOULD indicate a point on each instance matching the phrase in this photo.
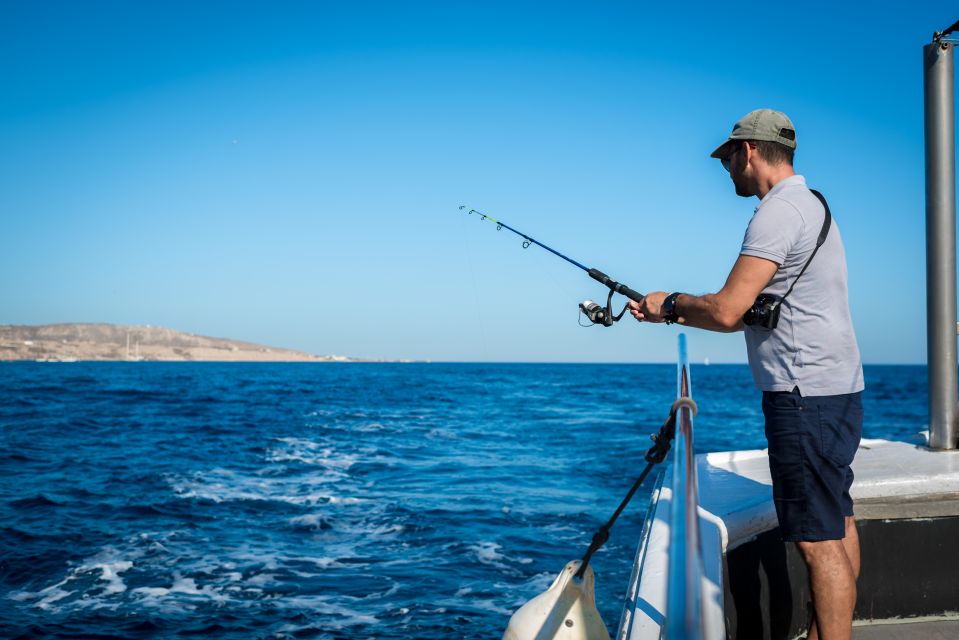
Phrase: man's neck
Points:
(772, 177)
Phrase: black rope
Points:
(654, 455)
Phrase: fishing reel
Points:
(600, 315)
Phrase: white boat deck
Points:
(735, 486)
(893, 480)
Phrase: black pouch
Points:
(764, 312)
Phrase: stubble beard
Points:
(742, 189)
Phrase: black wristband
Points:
(669, 308)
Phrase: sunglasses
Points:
(727, 160)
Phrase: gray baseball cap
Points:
(761, 124)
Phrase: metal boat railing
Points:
(684, 601)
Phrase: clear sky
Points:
(289, 172)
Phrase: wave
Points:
(488, 553)
(104, 567)
(39, 501)
(222, 485)
(310, 453)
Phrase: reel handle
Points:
(602, 278)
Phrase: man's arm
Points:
(722, 311)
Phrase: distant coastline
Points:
(71, 342)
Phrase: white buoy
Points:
(565, 611)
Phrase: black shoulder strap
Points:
(826, 223)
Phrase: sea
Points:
(340, 500)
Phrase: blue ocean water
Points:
(337, 500)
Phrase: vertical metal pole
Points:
(941, 243)
(684, 606)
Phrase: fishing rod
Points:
(595, 313)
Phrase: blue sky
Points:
(289, 173)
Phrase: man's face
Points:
(735, 163)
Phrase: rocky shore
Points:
(80, 341)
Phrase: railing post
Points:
(684, 619)
(941, 242)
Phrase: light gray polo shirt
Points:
(814, 347)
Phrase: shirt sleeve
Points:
(774, 229)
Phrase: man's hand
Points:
(650, 309)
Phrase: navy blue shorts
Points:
(812, 441)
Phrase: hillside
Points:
(79, 341)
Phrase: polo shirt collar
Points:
(782, 184)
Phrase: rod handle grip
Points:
(602, 278)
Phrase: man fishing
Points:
(788, 292)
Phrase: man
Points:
(808, 367)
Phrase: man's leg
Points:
(850, 546)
